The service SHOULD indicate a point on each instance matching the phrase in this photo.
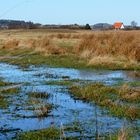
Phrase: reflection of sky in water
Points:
(68, 109)
(41, 73)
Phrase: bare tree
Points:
(134, 24)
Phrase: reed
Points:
(109, 47)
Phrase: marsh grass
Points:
(39, 104)
(11, 44)
(116, 44)
(2, 83)
(43, 110)
(135, 84)
(112, 50)
(3, 102)
(9, 91)
(4, 96)
(119, 101)
(64, 82)
(106, 50)
(39, 95)
(45, 134)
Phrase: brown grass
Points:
(45, 45)
(128, 93)
(113, 44)
(123, 134)
(13, 43)
(43, 110)
(111, 49)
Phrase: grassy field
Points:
(86, 49)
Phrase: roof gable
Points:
(118, 25)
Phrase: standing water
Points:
(90, 118)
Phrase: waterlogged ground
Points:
(88, 118)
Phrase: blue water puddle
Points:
(67, 110)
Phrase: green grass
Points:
(4, 95)
(2, 83)
(116, 100)
(63, 82)
(9, 91)
(26, 57)
(45, 134)
(132, 84)
(67, 61)
(3, 102)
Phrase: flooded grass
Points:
(64, 82)
(4, 96)
(38, 104)
(43, 101)
(38, 95)
(45, 134)
(131, 84)
(2, 83)
(10, 91)
(3, 102)
(113, 98)
(43, 110)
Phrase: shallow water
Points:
(68, 110)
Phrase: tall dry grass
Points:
(42, 45)
(10, 44)
(46, 46)
(120, 49)
(114, 44)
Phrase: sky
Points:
(71, 11)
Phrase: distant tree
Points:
(87, 27)
(134, 24)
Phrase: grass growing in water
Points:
(119, 101)
(3, 102)
(10, 91)
(38, 95)
(64, 82)
(2, 83)
(4, 95)
(45, 134)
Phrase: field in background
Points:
(97, 49)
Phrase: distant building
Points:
(118, 25)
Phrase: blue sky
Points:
(71, 11)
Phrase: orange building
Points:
(118, 25)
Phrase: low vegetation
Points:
(2, 83)
(3, 102)
(121, 102)
(4, 96)
(38, 95)
(46, 134)
(9, 91)
(38, 104)
(65, 82)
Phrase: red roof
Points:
(118, 25)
